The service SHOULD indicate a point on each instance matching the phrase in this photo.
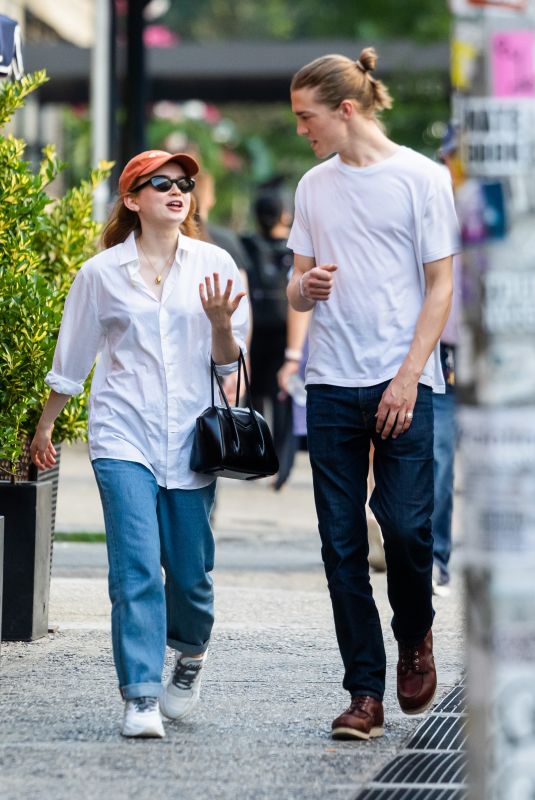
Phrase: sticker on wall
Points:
(464, 8)
(466, 54)
(514, 5)
(513, 63)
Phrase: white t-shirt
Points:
(379, 225)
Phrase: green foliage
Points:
(201, 20)
(43, 242)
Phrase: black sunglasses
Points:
(163, 184)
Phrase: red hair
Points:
(122, 222)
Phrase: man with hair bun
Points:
(373, 238)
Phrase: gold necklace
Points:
(158, 278)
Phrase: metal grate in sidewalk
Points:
(440, 732)
(424, 768)
(424, 793)
(453, 703)
(433, 765)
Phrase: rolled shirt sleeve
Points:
(80, 338)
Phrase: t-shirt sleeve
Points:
(440, 228)
(80, 339)
(300, 240)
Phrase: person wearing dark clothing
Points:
(270, 262)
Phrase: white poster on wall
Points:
(498, 135)
(498, 467)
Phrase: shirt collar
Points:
(128, 249)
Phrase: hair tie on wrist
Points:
(301, 291)
(291, 354)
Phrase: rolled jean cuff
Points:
(362, 691)
(190, 649)
(134, 690)
(414, 639)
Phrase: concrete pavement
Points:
(273, 678)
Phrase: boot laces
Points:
(359, 703)
(409, 658)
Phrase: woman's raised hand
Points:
(218, 306)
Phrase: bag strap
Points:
(241, 365)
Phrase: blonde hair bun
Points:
(368, 59)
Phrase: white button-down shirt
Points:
(152, 379)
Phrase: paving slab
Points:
(273, 677)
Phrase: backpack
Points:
(10, 48)
(269, 267)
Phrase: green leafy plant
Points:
(43, 243)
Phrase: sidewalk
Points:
(273, 678)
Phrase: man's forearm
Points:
(430, 324)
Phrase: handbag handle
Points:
(241, 363)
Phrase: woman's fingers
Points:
(228, 289)
(211, 296)
(217, 286)
(236, 302)
(42, 451)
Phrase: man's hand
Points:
(317, 283)
(288, 368)
(395, 411)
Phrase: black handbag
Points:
(233, 442)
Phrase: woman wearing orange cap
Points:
(155, 304)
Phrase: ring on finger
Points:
(409, 415)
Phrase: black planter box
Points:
(26, 508)
(1, 571)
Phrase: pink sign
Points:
(516, 5)
(513, 64)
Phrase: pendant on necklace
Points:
(158, 279)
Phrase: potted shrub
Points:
(43, 242)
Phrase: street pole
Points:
(136, 93)
(493, 73)
(101, 84)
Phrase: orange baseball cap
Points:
(150, 160)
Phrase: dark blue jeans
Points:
(445, 442)
(444, 406)
(341, 425)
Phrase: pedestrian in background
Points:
(270, 262)
(156, 304)
(444, 406)
(373, 238)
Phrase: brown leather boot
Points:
(417, 677)
(363, 719)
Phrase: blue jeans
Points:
(341, 426)
(148, 526)
(444, 450)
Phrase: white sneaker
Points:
(142, 718)
(182, 687)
